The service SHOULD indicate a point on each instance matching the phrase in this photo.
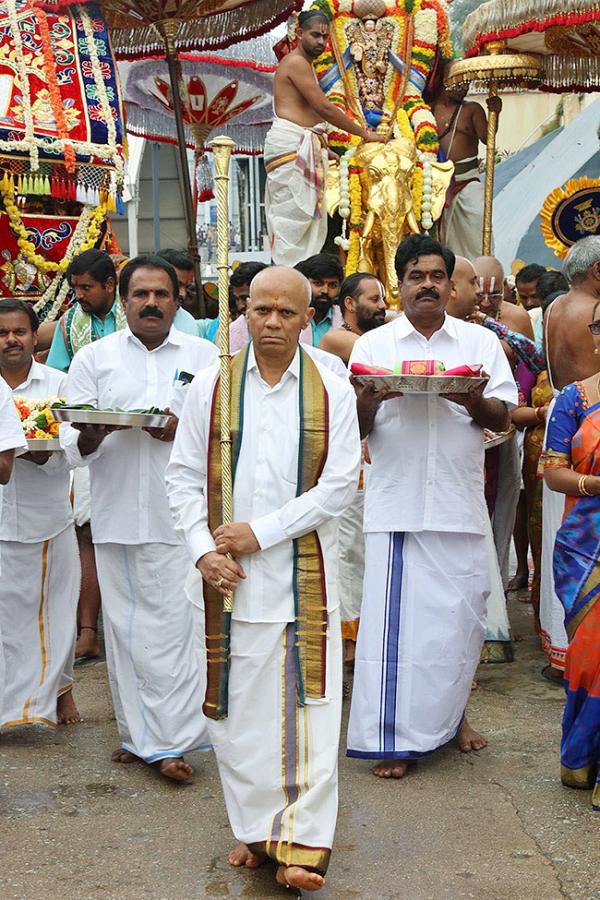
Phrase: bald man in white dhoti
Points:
(275, 665)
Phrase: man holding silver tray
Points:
(426, 571)
(155, 676)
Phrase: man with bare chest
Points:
(296, 151)
(461, 126)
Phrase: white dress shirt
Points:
(11, 430)
(36, 504)
(265, 485)
(427, 454)
(127, 471)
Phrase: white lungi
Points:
(351, 562)
(278, 762)
(82, 499)
(507, 499)
(420, 638)
(462, 222)
(552, 612)
(155, 676)
(39, 589)
(295, 208)
(497, 624)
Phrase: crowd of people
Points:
(369, 550)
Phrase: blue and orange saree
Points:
(574, 441)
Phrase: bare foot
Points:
(66, 711)
(391, 768)
(174, 767)
(518, 582)
(243, 856)
(297, 877)
(469, 739)
(123, 756)
(474, 685)
(87, 646)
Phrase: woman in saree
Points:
(572, 467)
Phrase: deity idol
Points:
(375, 68)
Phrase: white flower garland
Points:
(77, 238)
(344, 207)
(29, 140)
(426, 204)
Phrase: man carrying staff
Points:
(154, 674)
(426, 569)
(296, 147)
(40, 575)
(277, 663)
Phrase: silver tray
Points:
(43, 444)
(109, 417)
(494, 440)
(422, 384)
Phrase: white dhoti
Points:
(82, 500)
(552, 612)
(462, 221)
(420, 638)
(39, 589)
(498, 645)
(505, 507)
(296, 164)
(278, 761)
(351, 565)
(156, 677)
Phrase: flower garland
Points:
(426, 203)
(431, 33)
(36, 417)
(54, 90)
(29, 141)
(84, 237)
(353, 257)
(344, 207)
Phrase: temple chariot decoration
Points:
(375, 68)
(61, 145)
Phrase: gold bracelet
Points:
(582, 488)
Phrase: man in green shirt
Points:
(325, 273)
(96, 311)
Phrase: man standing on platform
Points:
(275, 670)
(427, 572)
(462, 126)
(155, 676)
(296, 147)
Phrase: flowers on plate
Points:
(36, 417)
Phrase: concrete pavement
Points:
(492, 825)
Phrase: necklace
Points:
(347, 327)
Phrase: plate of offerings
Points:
(494, 439)
(133, 418)
(420, 377)
(43, 445)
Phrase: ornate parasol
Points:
(565, 35)
(144, 28)
(233, 86)
(494, 70)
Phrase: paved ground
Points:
(495, 825)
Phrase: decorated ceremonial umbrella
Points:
(61, 144)
(525, 44)
(149, 28)
(565, 34)
(229, 90)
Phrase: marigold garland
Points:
(54, 90)
(355, 221)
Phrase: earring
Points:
(596, 350)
